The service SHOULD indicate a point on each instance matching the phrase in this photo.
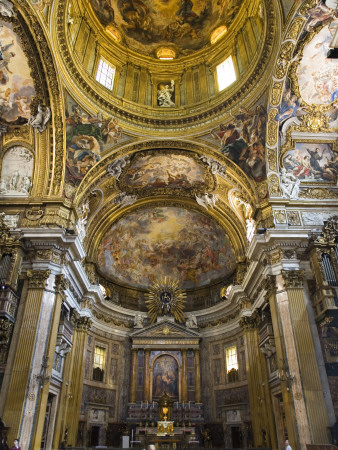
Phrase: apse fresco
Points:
(169, 171)
(16, 83)
(87, 137)
(186, 24)
(165, 376)
(154, 242)
(243, 141)
(317, 74)
(312, 162)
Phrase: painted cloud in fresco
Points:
(171, 241)
(317, 74)
(87, 137)
(16, 84)
(145, 25)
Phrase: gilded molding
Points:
(272, 128)
(295, 28)
(276, 92)
(318, 193)
(37, 279)
(293, 278)
(283, 61)
(272, 159)
(273, 182)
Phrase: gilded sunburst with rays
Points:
(165, 297)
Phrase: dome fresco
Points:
(146, 25)
(166, 241)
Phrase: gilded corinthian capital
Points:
(293, 278)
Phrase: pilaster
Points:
(76, 371)
(133, 375)
(197, 376)
(28, 365)
(184, 375)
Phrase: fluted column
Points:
(255, 378)
(197, 377)
(77, 355)
(146, 376)
(184, 376)
(28, 374)
(133, 375)
(306, 389)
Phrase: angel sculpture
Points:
(115, 168)
(216, 167)
(41, 118)
(6, 8)
(124, 199)
(207, 200)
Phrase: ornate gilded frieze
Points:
(293, 218)
(318, 193)
(293, 278)
(283, 61)
(272, 128)
(37, 279)
(273, 181)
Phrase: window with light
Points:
(232, 363)
(226, 74)
(105, 74)
(99, 362)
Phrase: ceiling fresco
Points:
(317, 74)
(156, 170)
(166, 241)
(146, 25)
(17, 87)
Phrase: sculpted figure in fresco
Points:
(289, 185)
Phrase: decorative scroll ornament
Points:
(166, 298)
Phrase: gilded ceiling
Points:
(146, 25)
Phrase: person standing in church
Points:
(287, 445)
(16, 445)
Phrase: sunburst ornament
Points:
(166, 298)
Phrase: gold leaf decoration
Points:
(165, 298)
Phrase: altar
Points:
(181, 437)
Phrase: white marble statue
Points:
(138, 321)
(115, 168)
(124, 199)
(239, 200)
(165, 95)
(41, 118)
(216, 167)
(191, 321)
(250, 229)
(6, 8)
(289, 184)
(207, 200)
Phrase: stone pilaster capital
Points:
(248, 323)
(37, 279)
(269, 285)
(83, 323)
(293, 278)
(61, 284)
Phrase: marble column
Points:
(77, 354)
(30, 367)
(197, 377)
(146, 383)
(133, 375)
(184, 376)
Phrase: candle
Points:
(147, 403)
(189, 405)
(153, 404)
(183, 403)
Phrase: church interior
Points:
(120, 325)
